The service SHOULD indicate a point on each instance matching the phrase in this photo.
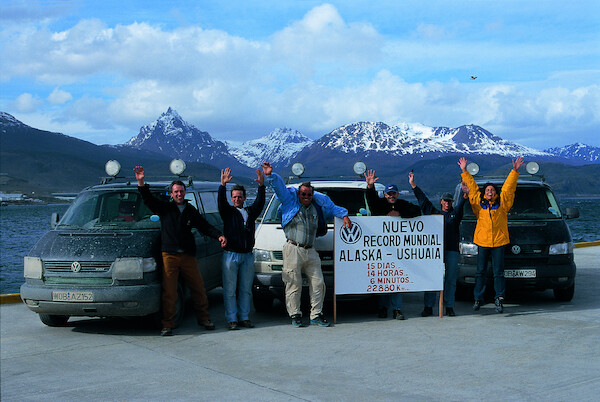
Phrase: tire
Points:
(54, 320)
(564, 294)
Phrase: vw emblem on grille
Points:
(352, 235)
(515, 249)
(75, 266)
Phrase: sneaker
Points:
(382, 313)
(499, 304)
(397, 314)
(233, 325)
(207, 324)
(297, 321)
(320, 321)
(246, 324)
(166, 332)
(476, 305)
(450, 312)
(427, 311)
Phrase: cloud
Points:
(27, 103)
(58, 97)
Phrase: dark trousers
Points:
(173, 265)
(483, 256)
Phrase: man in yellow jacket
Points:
(491, 232)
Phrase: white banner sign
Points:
(381, 254)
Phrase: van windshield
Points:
(530, 203)
(118, 209)
(353, 199)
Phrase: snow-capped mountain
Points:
(172, 136)
(578, 150)
(278, 148)
(409, 139)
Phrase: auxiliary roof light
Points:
(297, 169)
(473, 168)
(359, 168)
(177, 167)
(112, 168)
(532, 167)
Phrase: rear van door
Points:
(212, 251)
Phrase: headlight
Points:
(130, 268)
(32, 268)
(561, 248)
(262, 255)
(468, 248)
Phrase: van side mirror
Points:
(572, 213)
(54, 218)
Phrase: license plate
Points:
(519, 273)
(73, 296)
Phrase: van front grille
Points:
(86, 266)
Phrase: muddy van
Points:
(540, 253)
(103, 257)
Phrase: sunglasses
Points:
(303, 194)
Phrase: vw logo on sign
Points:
(516, 249)
(75, 266)
(352, 235)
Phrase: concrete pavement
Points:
(540, 349)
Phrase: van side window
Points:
(211, 208)
(192, 200)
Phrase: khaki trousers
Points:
(296, 261)
(173, 265)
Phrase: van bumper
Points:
(115, 301)
(271, 284)
(547, 276)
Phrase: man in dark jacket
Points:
(238, 260)
(452, 218)
(177, 218)
(390, 205)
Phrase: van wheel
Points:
(564, 294)
(54, 320)
(262, 303)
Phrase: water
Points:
(21, 226)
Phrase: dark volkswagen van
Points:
(103, 258)
(540, 253)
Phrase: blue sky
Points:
(99, 70)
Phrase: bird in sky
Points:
(473, 77)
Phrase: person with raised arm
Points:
(177, 218)
(304, 216)
(452, 217)
(389, 205)
(491, 209)
(238, 260)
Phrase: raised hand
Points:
(411, 179)
(462, 163)
(261, 177)
(517, 163)
(139, 174)
(267, 168)
(370, 178)
(225, 176)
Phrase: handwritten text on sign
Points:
(381, 254)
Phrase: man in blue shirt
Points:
(304, 216)
(452, 218)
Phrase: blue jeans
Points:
(451, 261)
(392, 301)
(238, 275)
(483, 256)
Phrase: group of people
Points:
(305, 214)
